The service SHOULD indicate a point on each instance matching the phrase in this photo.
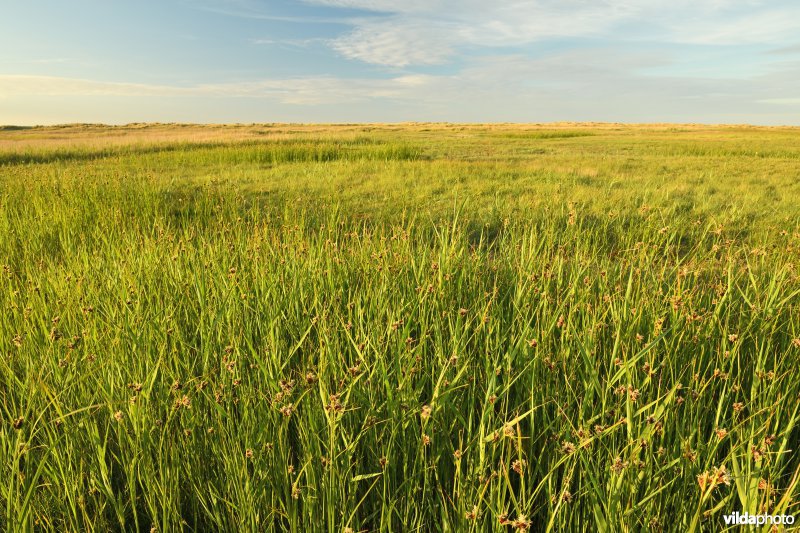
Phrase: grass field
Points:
(423, 327)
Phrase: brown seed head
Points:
(618, 465)
(473, 514)
(522, 523)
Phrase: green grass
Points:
(397, 328)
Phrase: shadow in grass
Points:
(548, 135)
(483, 234)
(61, 155)
(269, 152)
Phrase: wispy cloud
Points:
(24, 85)
(298, 91)
(398, 43)
(247, 9)
(782, 101)
(295, 43)
(767, 26)
(385, 6)
(455, 60)
(429, 32)
(52, 61)
(563, 86)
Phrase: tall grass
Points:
(211, 338)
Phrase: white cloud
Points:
(397, 43)
(385, 6)
(420, 32)
(774, 26)
(782, 101)
(599, 65)
(22, 85)
(255, 10)
(430, 33)
(295, 43)
(297, 91)
(593, 85)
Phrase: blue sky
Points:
(712, 61)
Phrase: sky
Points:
(223, 61)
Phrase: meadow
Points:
(417, 327)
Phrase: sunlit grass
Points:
(398, 328)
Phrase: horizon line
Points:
(12, 127)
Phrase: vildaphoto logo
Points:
(742, 519)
